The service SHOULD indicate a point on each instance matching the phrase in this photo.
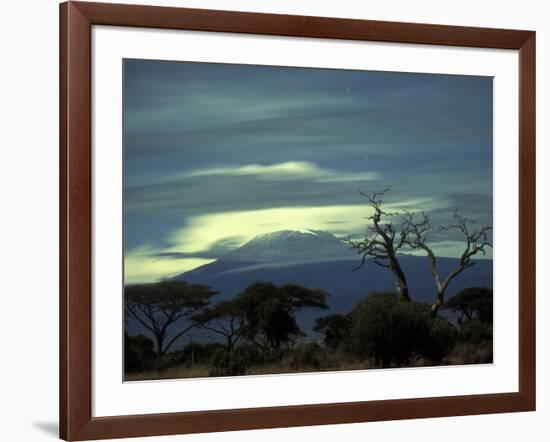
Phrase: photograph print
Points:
(293, 220)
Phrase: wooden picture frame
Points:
(76, 21)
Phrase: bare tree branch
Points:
(382, 240)
(476, 242)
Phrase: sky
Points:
(215, 154)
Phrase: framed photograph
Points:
(274, 220)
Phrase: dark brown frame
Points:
(76, 421)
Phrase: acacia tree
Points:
(270, 311)
(475, 242)
(383, 239)
(472, 303)
(335, 327)
(227, 319)
(161, 306)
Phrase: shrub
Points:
(224, 363)
(385, 328)
(138, 353)
(249, 354)
(475, 342)
(309, 355)
(468, 353)
(440, 340)
(392, 330)
(275, 355)
(196, 353)
(335, 329)
(475, 332)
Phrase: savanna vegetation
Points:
(256, 331)
(259, 334)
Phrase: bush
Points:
(440, 341)
(309, 355)
(392, 330)
(385, 328)
(196, 353)
(475, 342)
(274, 355)
(250, 355)
(335, 329)
(225, 363)
(468, 353)
(475, 332)
(192, 354)
(138, 353)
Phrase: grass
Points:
(460, 356)
(178, 372)
(198, 371)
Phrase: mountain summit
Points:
(292, 247)
(317, 259)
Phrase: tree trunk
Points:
(404, 291)
(160, 344)
(229, 344)
(401, 280)
(437, 304)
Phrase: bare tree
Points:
(476, 242)
(383, 240)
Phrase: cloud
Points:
(147, 263)
(218, 249)
(198, 103)
(206, 237)
(192, 245)
(451, 248)
(202, 233)
(142, 264)
(289, 170)
(254, 149)
(247, 187)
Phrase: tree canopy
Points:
(335, 328)
(165, 308)
(226, 318)
(270, 311)
(472, 303)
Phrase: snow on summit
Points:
(292, 246)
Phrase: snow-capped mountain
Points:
(292, 247)
(317, 259)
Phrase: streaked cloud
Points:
(143, 264)
(206, 237)
(217, 153)
(289, 170)
(203, 232)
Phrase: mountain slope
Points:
(319, 260)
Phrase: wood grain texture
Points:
(301, 415)
(76, 421)
(299, 26)
(527, 220)
(63, 318)
(75, 221)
